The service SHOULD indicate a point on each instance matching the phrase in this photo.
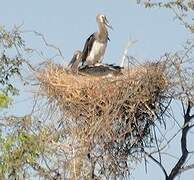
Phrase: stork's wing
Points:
(101, 70)
(87, 47)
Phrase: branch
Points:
(129, 44)
(158, 163)
(160, 159)
(192, 117)
(186, 168)
(47, 44)
(191, 126)
(187, 26)
(175, 171)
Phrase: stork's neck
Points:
(102, 32)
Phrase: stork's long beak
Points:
(107, 23)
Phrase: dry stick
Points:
(49, 45)
(46, 43)
(129, 44)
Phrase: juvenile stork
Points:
(74, 63)
(108, 70)
(95, 45)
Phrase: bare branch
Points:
(187, 26)
(129, 44)
(158, 163)
(46, 43)
(186, 168)
(181, 161)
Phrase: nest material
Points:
(111, 115)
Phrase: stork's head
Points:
(78, 54)
(101, 18)
(75, 60)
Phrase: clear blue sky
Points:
(67, 24)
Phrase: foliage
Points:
(11, 60)
(16, 150)
(22, 148)
(182, 9)
(4, 100)
(16, 146)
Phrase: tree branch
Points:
(186, 168)
(158, 163)
(59, 53)
(176, 170)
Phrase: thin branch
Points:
(158, 163)
(186, 168)
(192, 117)
(187, 26)
(46, 43)
(160, 158)
(184, 113)
(190, 127)
(129, 44)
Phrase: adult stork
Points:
(74, 63)
(95, 45)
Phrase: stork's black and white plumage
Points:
(101, 70)
(74, 63)
(95, 45)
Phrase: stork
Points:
(108, 70)
(100, 70)
(95, 45)
(74, 63)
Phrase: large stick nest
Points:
(107, 114)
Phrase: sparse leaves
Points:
(9, 39)
(20, 147)
(182, 10)
(9, 67)
(10, 59)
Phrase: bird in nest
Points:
(95, 45)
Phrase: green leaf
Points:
(8, 143)
(4, 100)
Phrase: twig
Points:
(46, 43)
(129, 44)
(187, 26)
(186, 168)
(158, 163)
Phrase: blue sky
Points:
(67, 24)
